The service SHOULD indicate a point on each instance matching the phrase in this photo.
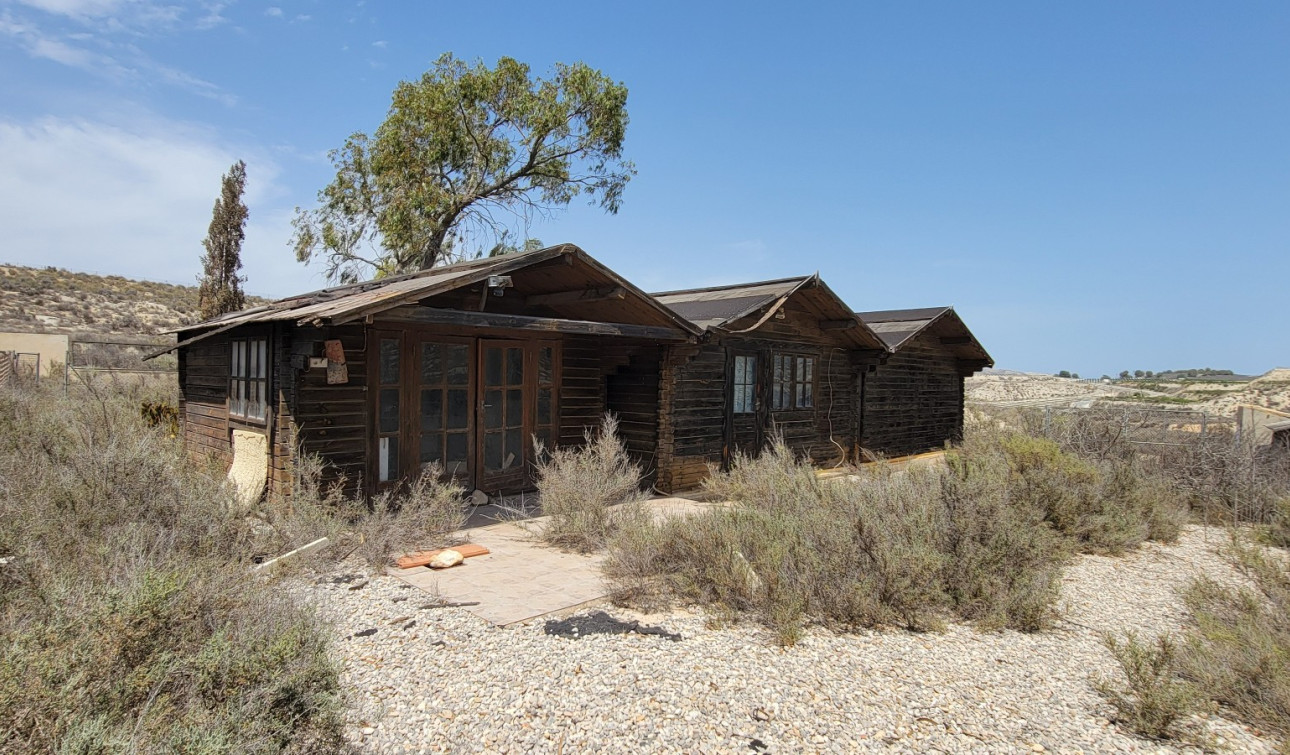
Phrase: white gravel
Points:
(441, 680)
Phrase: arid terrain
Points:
(55, 300)
(1216, 397)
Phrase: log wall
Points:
(914, 402)
(203, 399)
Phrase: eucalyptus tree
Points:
(465, 153)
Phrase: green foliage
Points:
(459, 145)
(588, 491)
(131, 620)
(221, 287)
(1153, 700)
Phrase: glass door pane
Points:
(444, 397)
(503, 412)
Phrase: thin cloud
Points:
(139, 194)
(104, 54)
(273, 11)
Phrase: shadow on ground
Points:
(599, 622)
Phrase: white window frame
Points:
(248, 382)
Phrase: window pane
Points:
(493, 409)
(514, 448)
(492, 366)
(809, 396)
(739, 370)
(515, 407)
(544, 406)
(546, 373)
(493, 450)
(235, 368)
(432, 448)
(431, 364)
(454, 357)
(456, 450)
(389, 410)
(458, 408)
(264, 361)
(389, 361)
(388, 459)
(431, 409)
(514, 366)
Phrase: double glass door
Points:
(471, 406)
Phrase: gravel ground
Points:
(435, 679)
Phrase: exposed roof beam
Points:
(577, 297)
(431, 316)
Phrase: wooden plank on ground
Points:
(422, 558)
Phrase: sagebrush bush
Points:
(1238, 650)
(1153, 699)
(907, 548)
(587, 491)
(130, 619)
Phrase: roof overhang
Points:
(364, 301)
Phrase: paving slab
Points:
(521, 579)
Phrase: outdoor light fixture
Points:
(499, 283)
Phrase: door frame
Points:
(504, 480)
(409, 415)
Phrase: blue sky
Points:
(1094, 186)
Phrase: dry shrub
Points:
(905, 548)
(1239, 648)
(1005, 560)
(419, 516)
(131, 619)
(582, 488)
(1153, 700)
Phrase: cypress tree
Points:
(221, 286)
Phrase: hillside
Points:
(1217, 397)
(55, 300)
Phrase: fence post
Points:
(1048, 420)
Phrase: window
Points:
(745, 384)
(248, 391)
(793, 386)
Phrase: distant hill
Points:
(54, 300)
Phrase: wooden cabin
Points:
(783, 357)
(462, 366)
(913, 401)
(459, 365)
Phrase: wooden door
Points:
(503, 424)
(444, 380)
